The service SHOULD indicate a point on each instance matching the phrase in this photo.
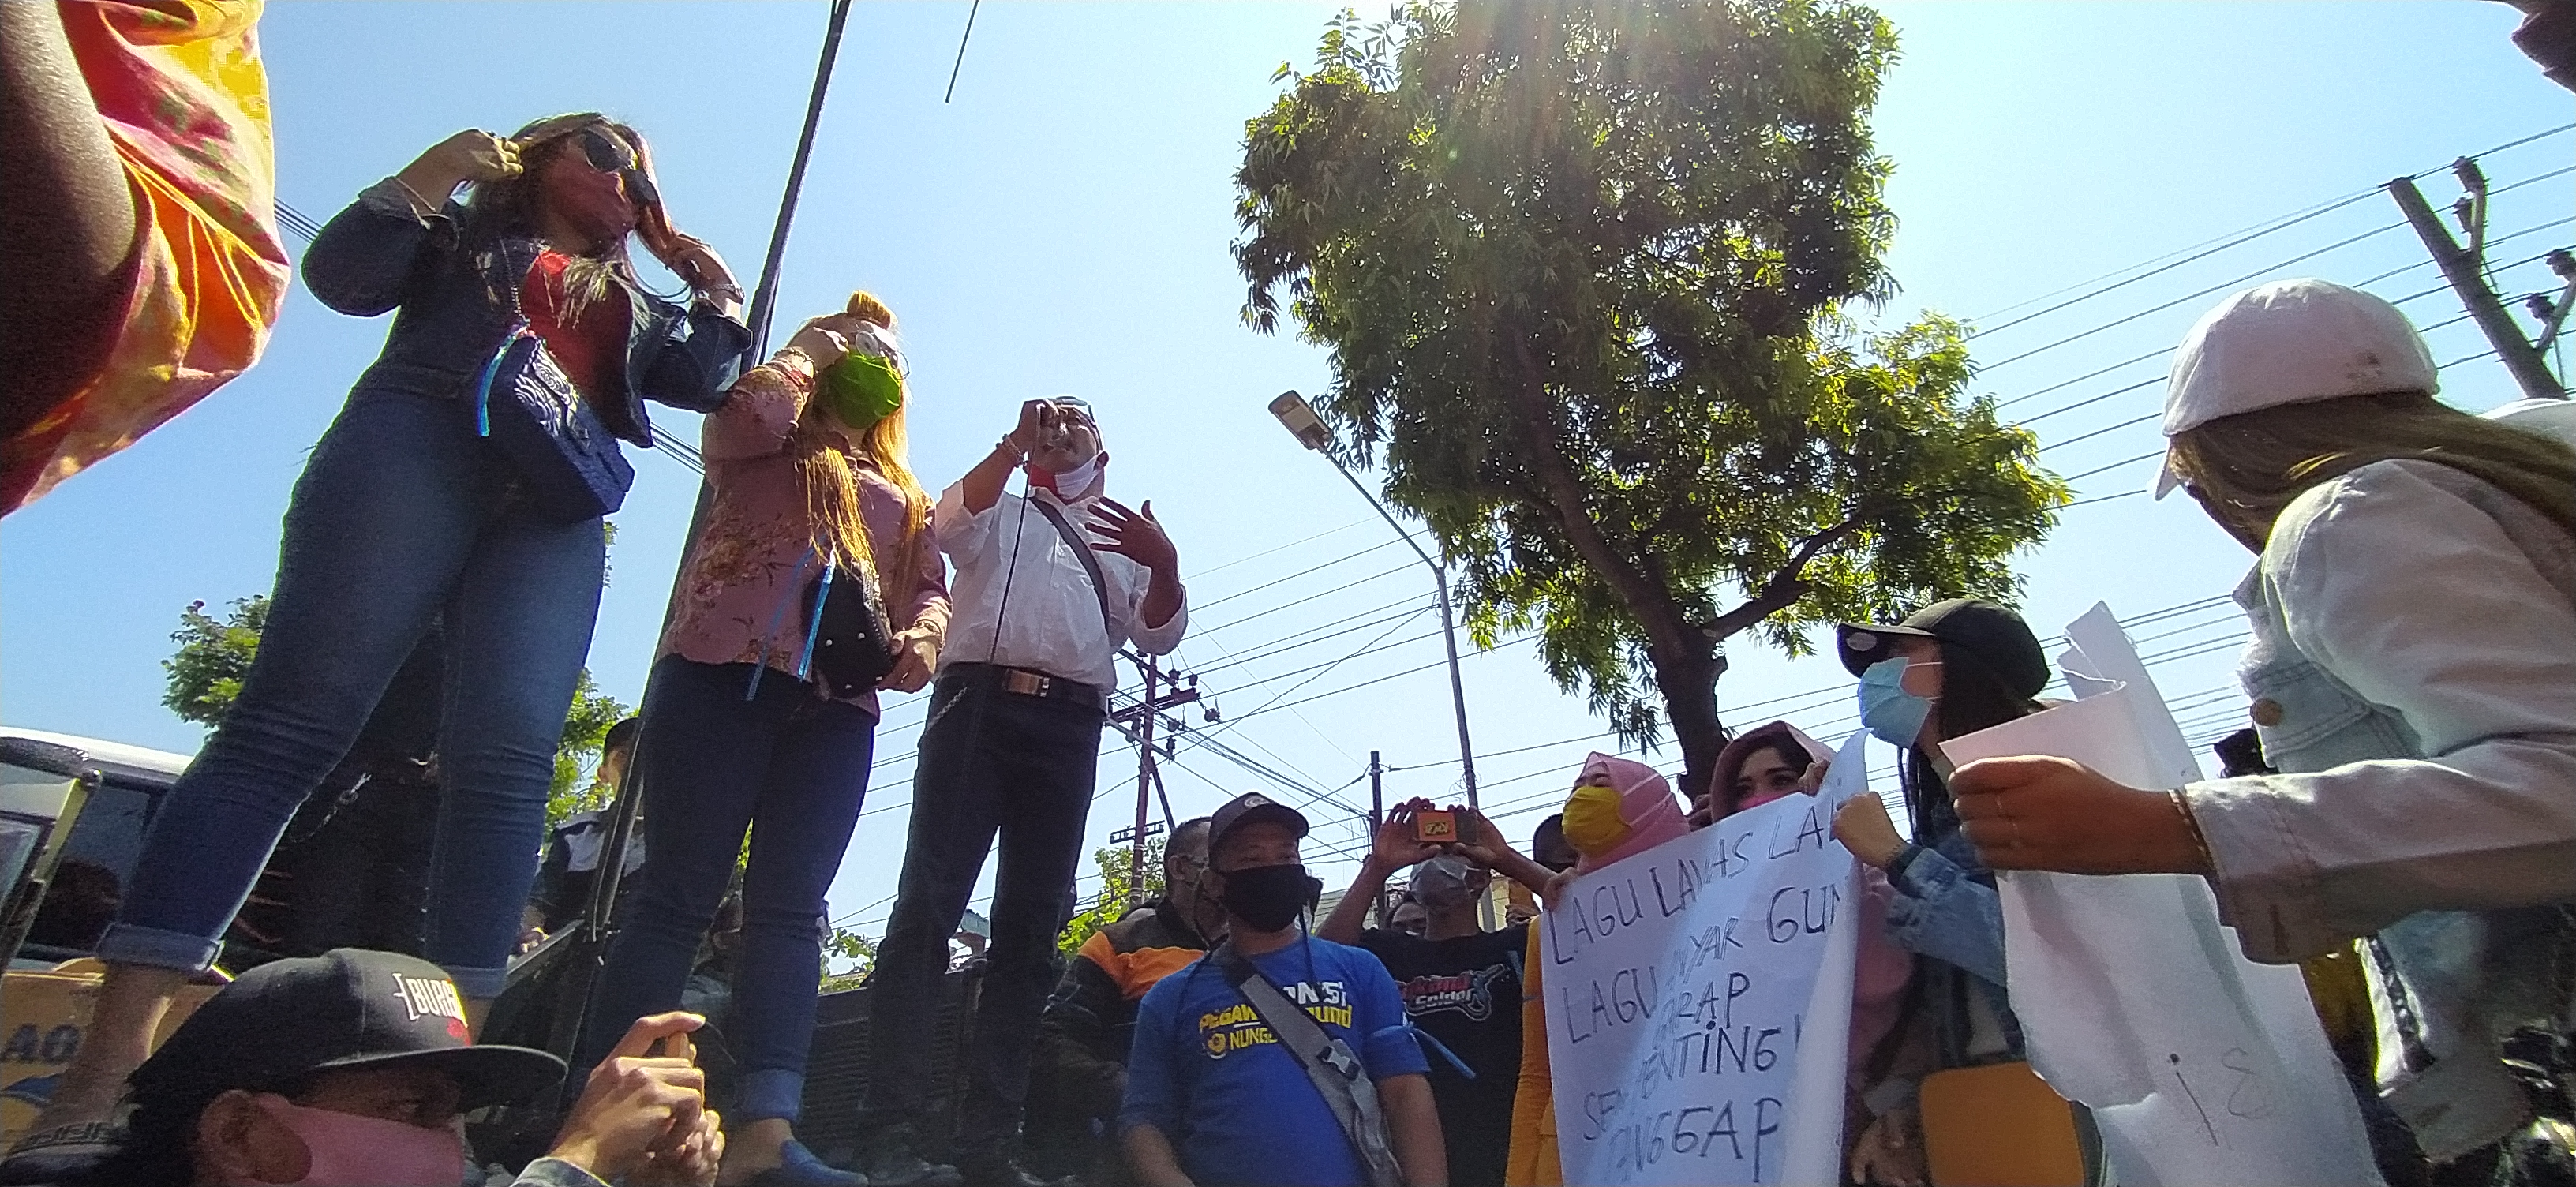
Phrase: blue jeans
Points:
(790, 766)
(994, 764)
(402, 515)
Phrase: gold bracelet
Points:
(2199, 841)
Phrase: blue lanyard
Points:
(778, 617)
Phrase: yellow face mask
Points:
(1593, 824)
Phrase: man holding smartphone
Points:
(1048, 586)
(1460, 983)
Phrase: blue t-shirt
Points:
(1205, 1071)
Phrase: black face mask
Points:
(1265, 898)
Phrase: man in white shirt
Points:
(1048, 586)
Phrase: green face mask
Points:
(861, 390)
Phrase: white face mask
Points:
(346, 1150)
(1072, 484)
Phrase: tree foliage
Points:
(1590, 272)
(860, 953)
(205, 674)
(586, 725)
(1115, 899)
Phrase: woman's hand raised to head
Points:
(825, 340)
(695, 260)
(471, 155)
(2041, 813)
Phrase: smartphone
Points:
(1435, 828)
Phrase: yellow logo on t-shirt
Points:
(1236, 1027)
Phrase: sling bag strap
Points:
(1090, 560)
(1327, 1061)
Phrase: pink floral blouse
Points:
(740, 598)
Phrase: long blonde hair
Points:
(2250, 466)
(831, 486)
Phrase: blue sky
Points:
(1062, 227)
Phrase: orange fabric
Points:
(180, 87)
(1533, 1161)
(1999, 1125)
(1137, 971)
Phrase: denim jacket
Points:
(2413, 675)
(1945, 907)
(381, 254)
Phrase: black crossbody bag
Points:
(1082, 552)
(852, 648)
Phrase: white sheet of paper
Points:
(1699, 1001)
(2202, 1067)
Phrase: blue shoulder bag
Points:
(570, 466)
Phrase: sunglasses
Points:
(608, 154)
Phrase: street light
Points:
(1310, 431)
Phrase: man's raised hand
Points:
(1138, 537)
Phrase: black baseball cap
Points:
(1995, 635)
(1251, 806)
(348, 1008)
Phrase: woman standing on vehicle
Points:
(753, 721)
(406, 513)
(1949, 669)
(2413, 678)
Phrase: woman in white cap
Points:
(2413, 677)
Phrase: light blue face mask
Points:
(1894, 715)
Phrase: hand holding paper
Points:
(2038, 812)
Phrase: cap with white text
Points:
(346, 1009)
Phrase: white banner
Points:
(2201, 1067)
(1699, 1001)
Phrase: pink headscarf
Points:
(1646, 802)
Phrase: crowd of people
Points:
(2406, 829)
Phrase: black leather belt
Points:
(1029, 682)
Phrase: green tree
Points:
(846, 945)
(205, 674)
(1115, 899)
(1589, 271)
(586, 725)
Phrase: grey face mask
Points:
(1442, 881)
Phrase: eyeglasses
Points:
(609, 154)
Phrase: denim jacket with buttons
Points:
(1946, 908)
(2413, 673)
(452, 309)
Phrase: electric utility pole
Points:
(2465, 268)
(1147, 708)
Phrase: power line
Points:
(2248, 234)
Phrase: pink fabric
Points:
(1879, 979)
(1654, 814)
(743, 567)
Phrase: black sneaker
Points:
(893, 1162)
